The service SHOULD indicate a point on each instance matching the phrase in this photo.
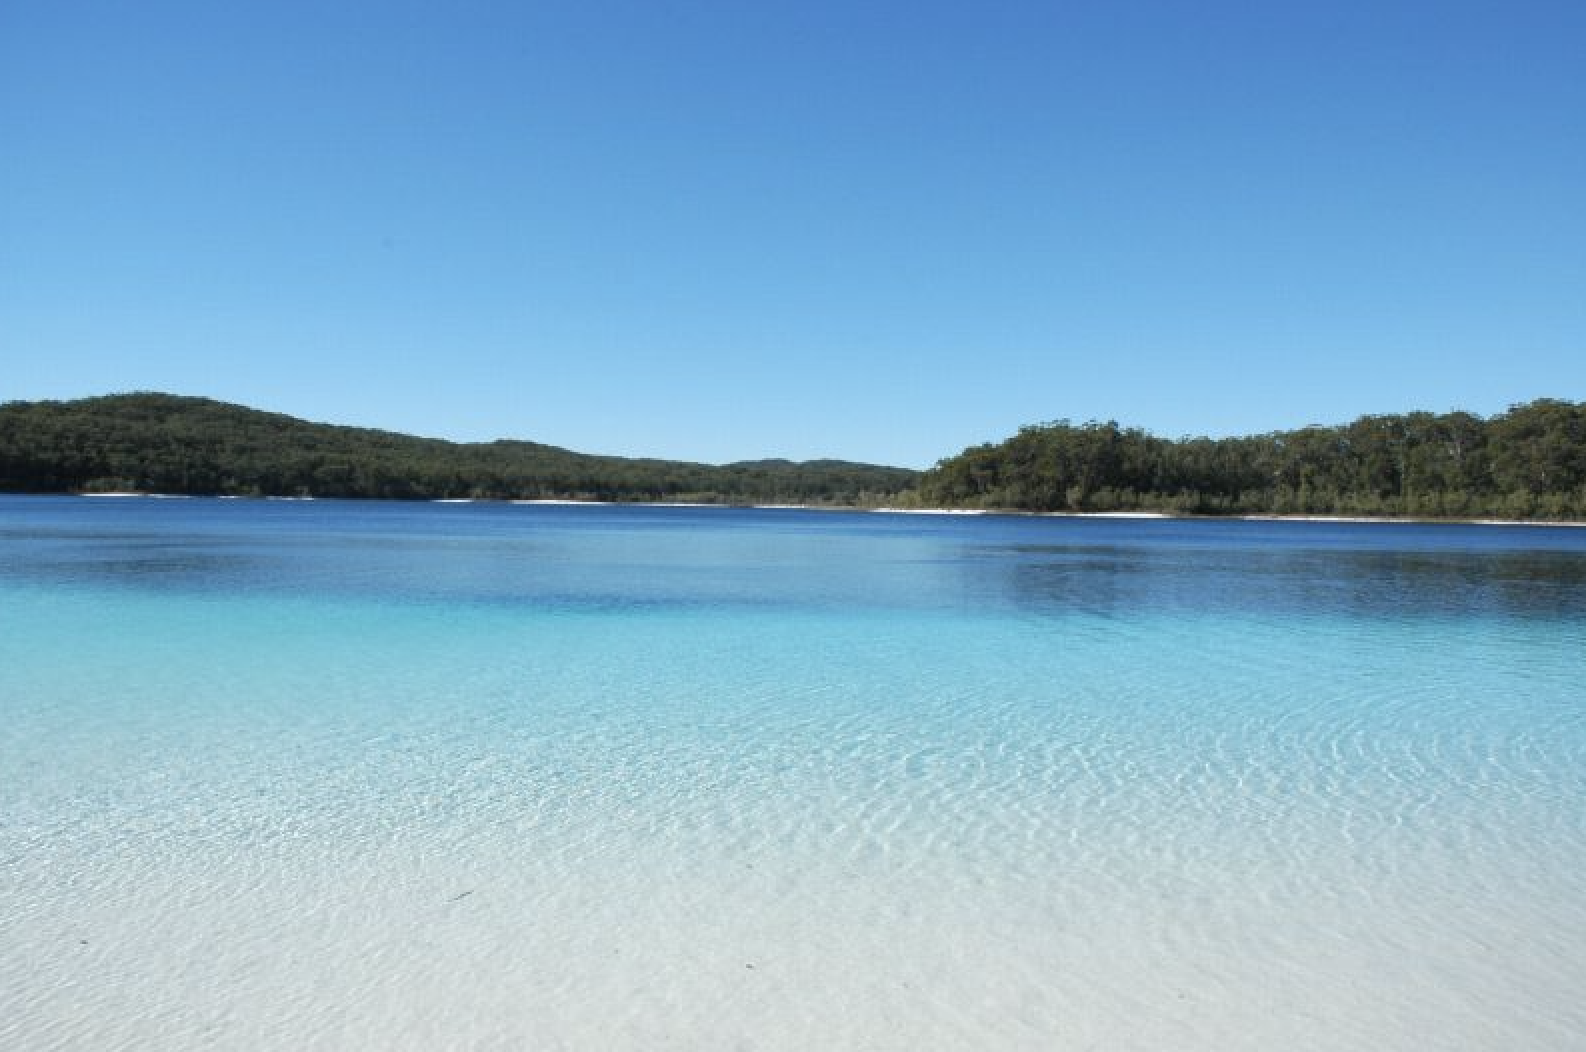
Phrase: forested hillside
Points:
(168, 444)
(1529, 462)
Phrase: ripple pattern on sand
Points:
(1026, 792)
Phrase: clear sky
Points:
(717, 231)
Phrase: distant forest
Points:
(160, 443)
(1526, 463)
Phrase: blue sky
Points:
(719, 231)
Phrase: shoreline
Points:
(883, 510)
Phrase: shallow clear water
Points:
(332, 775)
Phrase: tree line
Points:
(160, 443)
(1527, 463)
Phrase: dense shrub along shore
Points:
(1526, 463)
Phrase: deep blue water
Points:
(929, 781)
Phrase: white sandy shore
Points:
(1031, 514)
(1406, 520)
(1329, 518)
(1362, 519)
(1518, 522)
(565, 502)
(557, 501)
(135, 493)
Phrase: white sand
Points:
(558, 501)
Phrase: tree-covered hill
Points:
(1529, 462)
(170, 444)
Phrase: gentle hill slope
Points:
(165, 443)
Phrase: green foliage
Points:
(1529, 462)
(162, 443)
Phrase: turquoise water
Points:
(339, 774)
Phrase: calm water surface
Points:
(333, 775)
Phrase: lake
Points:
(331, 775)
